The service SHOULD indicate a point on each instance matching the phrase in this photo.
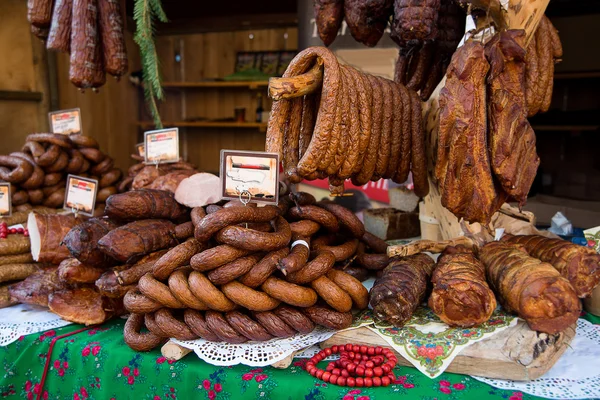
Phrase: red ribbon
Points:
(49, 356)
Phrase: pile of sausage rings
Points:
(255, 273)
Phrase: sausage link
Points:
(135, 339)
(274, 325)
(197, 324)
(213, 223)
(289, 293)
(248, 297)
(247, 327)
(263, 269)
(352, 286)
(294, 318)
(220, 327)
(316, 214)
(233, 270)
(329, 318)
(215, 257)
(313, 269)
(178, 284)
(335, 296)
(204, 290)
(252, 240)
(158, 292)
(172, 326)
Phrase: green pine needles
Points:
(145, 12)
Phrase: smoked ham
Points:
(530, 288)
(145, 204)
(461, 295)
(46, 233)
(82, 241)
(131, 242)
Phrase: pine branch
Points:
(144, 14)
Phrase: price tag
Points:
(80, 195)
(5, 202)
(141, 149)
(250, 176)
(161, 146)
(65, 122)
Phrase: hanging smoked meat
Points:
(512, 139)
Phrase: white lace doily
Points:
(254, 354)
(22, 319)
(576, 375)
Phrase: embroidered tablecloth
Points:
(97, 364)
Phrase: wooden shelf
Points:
(262, 126)
(215, 84)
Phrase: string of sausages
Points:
(250, 274)
(359, 127)
(91, 31)
(38, 172)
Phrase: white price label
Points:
(161, 146)
(65, 122)
(250, 176)
(81, 195)
(5, 201)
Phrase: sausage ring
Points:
(317, 214)
(53, 138)
(314, 269)
(233, 270)
(248, 297)
(37, 177)
(341, 252)
(109, 178)
(294, 318)
(152, 326)
(80, 140)
(373, 262)
(96, 156)
(216, 256)
(49, 157)
(172, 326)
(213, 223)
(34, 148)
(204, 290)
(135, 302)
(19, 197)
(197, 324)
(335, 296)
(178, 284)
(274, 325)
(136, 340)
(329, 318)
(289, 293)
(304, 228)
(75, 161)
(60, 164)
(247, 327)
(263, 269)
(178, 256)
(375, 243)
(21, 169)
(347, 218)
(297, 257)
(220, 327)
(36, 196)
(352, 286)
(103, 167)
(249, 239)
(158, 291)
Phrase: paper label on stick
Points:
(65, 122)
(141, 149)
(81, 195)
(250, 176)
(5, 201)
(161, 146)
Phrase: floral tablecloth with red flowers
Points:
(97, 364)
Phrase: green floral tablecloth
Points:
(96, 364)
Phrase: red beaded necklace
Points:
(358, 366)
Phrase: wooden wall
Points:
(110, 115)
(22, 69)
(212, 55)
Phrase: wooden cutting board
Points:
(516, 353)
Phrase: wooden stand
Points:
(517, 353)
